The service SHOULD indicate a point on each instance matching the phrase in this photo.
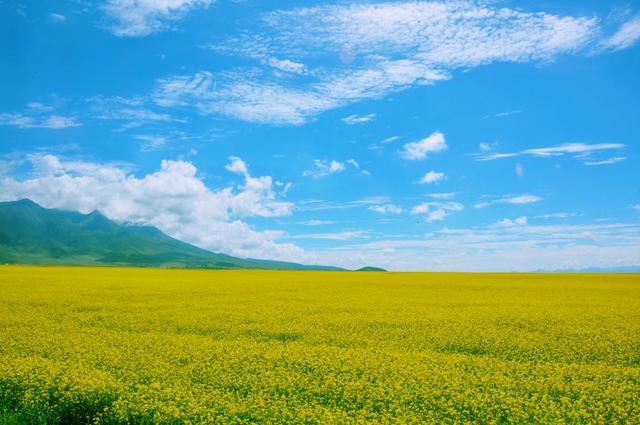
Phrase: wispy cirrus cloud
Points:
(132, 112)
(612, 160)
(367, 51)
(38, 115)
(322, 168)
(334, 236)
(315, 222)
(581, 151)
(55, 122)
(514, 200)
(503, 114)
(386, 209)
(626, 36)
(358, 119)
(139, 18)
(57, 18)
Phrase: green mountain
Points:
(371, 269)
(31, 234)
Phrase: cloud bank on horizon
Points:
(435, 135)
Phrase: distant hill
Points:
(31, 234)
(621, 269)
(371, 269)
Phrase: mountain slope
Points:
(30, 234)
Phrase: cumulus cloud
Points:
(432, 177)
(175, 199)
(420, 149)
(139, 18)
(436, 211)
(237, 166)
(520, 221)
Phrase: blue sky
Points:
(495, 135)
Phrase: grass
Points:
(109, 345)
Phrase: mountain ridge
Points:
(32, 234)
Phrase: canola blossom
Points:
(116, 346)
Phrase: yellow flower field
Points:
(115, 345)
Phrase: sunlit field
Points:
(112, 345)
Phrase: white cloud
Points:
(368, 51)
(485, 147)
(237, 166)
(461, 33)
(386, 209)
(55, 122)
(390, 139)
(353, 163)
(513, 248)
(334, 236)
(174, 199)
(447, 195)
(432, 177)
(520, 221)
(581, 151)
(612, 160)
(244, 96)
(420, 149)
(503, 114)
(636, 207)
(314, 222)
(139, 18)
(560, 215)
(519, 168)
(287, 65)
(324, 168)
(508, 113)
(37, 106)
(151, 143)
(436, 211)
(358, 119)
(522, 199)
(516, 200)
(57, 18)
(379, 145)
(626, 36)
(134, 112)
